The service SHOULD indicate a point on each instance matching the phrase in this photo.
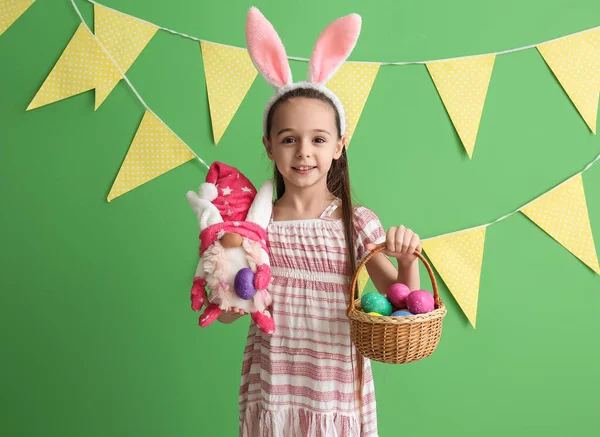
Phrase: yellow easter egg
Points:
(374, 314)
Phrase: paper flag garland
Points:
(575, 61)
(10, 10)
(84, 65)
(457, 258)
(229, 73)
(462, 84)
(155, 150)
(562, 212)
(352, 84)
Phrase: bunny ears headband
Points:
(332, 48)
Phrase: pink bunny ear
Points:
(333, 47)
(266, 50)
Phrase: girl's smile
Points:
(303, 170)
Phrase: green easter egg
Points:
(376, 303)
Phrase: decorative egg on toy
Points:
(397, 294)
(376, 303)
(420, 302)
(401, 313)
(244, 284)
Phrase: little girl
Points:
(303, 381)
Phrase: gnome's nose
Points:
(231, 239)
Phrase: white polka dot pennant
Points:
(155, 150)
(457, 258)
(575, 61)
(84, 65)
(562, 212)
(10, 10)
(229, 73)
(352, 84)
(462, 84)
(125, 37)
(74, 72)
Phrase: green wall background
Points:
(97, 335)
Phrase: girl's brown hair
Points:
(338, 183)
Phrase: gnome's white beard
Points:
(221, 265)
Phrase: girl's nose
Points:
(231, 240)
(303, 149)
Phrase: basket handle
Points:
(381, 248)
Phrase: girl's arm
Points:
(383, 273)
(401, 244)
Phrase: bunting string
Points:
(504, 217)
(99, 60)
(298, 58)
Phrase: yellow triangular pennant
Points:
(229, 73)
(575, 61)
(457, 258)
(352, 84)
(562, 212)
(155, 150)
(124, 37)
(462, 84)
(10, 10)
(75, 70)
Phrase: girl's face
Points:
(304, 141)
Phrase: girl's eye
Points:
(288, 140)
(319, 140)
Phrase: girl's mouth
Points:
(303, 169)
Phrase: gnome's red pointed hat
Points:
(232, 206)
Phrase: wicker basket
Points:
(395, 340)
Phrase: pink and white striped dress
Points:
(300, 381)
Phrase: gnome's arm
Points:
(198, 291)
(262, 278)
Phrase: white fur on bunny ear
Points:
(333, 47)
(207, 213)
(266, 50)
(262, 206)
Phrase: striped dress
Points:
(300, 381)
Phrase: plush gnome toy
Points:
(234, 263)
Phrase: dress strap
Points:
(332, 207)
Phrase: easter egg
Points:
(244, 284)
(374, 314)
(376, 303)
(397, 294)
(420, 302)
(401, 313)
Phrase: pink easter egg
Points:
(420, 302)
(397, 294)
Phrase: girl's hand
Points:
(401, 244)
(238, 311)
(231, 316)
